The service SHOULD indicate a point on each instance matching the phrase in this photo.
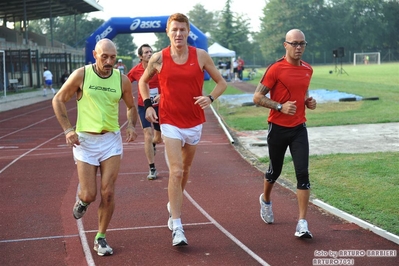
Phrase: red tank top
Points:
(135, 74)
(180, 84)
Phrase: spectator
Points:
(227, 72)
(122, 68)
(235, 70)
(240, 67)
(47, 81)
(64, 77)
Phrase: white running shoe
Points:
(302, 230)
(266, 212)
(170, 221)
(102, 248)
(79, 209)
(152, 174)
(178, 237)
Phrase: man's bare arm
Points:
(154, 65)
(261, 99)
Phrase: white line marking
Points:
(83, 238)
(29, 151)
(36, 238)
(31, 125)
(13, 117)
(224, 231)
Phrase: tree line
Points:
(358, 26)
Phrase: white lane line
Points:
(31, 125)
(147, 227)
(83, 238)
(24, 114)
(36, 238)
(29, 151)
(224, 231)
(94, 231)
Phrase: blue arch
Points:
(115, 26)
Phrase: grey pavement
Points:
(362, 138)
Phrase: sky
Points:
(132, 8)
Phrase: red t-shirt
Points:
(288, 83)
(135, 74)
(180, 84)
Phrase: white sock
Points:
(177, 223)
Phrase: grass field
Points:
(365, 185)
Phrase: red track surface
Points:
(220, 211)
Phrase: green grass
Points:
(364, 185)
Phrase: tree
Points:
(162, 41)
(232, 31)
(125, 45)
(201, 18)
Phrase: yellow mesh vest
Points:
(98, 108)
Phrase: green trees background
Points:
(358, 26)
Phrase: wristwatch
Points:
(211, 97)
(279, 107)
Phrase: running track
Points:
(220, 211)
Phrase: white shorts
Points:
(190, 136)
(95, 148)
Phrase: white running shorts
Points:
(190, 136)
(95, 148)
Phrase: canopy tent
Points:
(216, 50)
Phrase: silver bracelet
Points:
(68, 130)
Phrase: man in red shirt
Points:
(287, 80)
(240, 67)
(150, 138)
(180, 69)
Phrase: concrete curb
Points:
(350, 218)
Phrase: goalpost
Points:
(3, 70)
(366, 58)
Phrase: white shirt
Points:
(47, 75)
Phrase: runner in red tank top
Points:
(180, 71)
(151, 138)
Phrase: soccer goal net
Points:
(366, 58)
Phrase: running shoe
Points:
(170, 220)
(266, 212)
(102, 248)
(302, 230)
(152, 174)
(79, 209)
(178, 237)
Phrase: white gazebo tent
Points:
(216, 50)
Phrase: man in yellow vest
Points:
(97, 141)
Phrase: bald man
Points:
(97, 142)
(288, 81)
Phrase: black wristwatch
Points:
(211, 97)
(279, 107)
